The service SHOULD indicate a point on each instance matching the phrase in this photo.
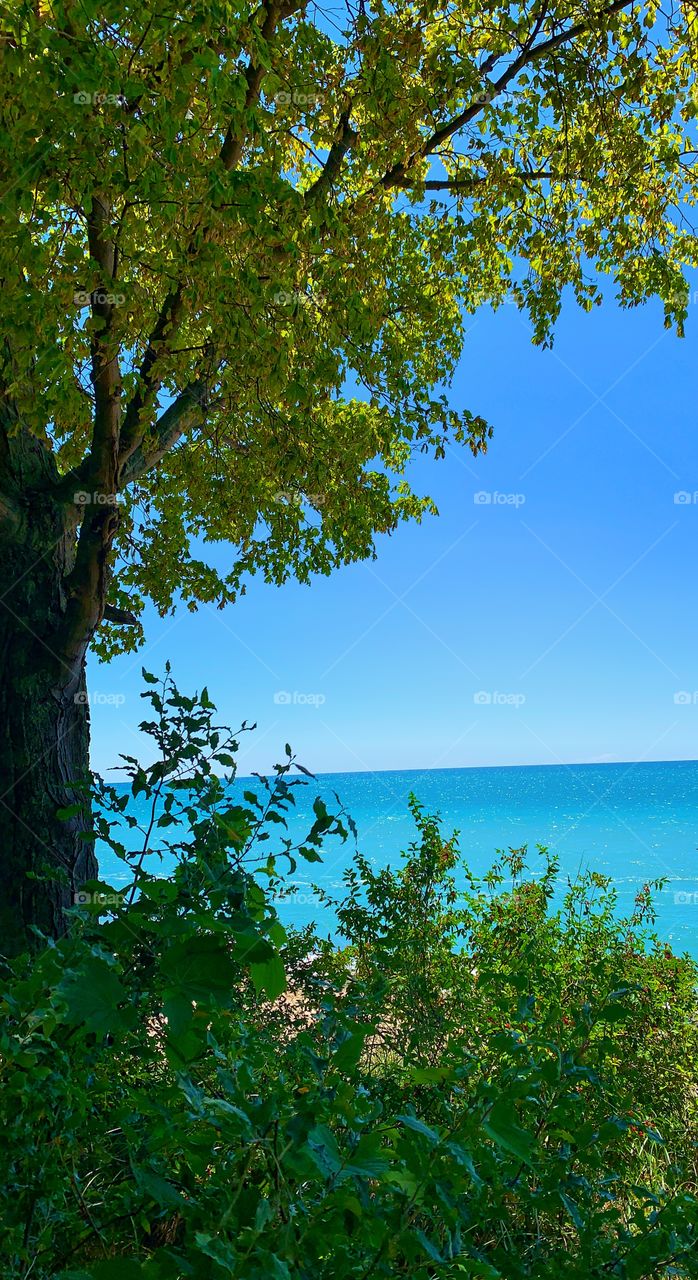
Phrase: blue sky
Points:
(571, 606)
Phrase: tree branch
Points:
(346, 137)
(470, 183)
(531, 52)
(149, 376)
(233, 145)
(172, 310)
(106, 372)
(120, 617)
(184, 412)
(86, 584)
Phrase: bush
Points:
(469, 1083)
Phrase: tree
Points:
(238, 246)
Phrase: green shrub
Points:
(471, 1083)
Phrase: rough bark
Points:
(44, 723)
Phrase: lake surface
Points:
(632, 822)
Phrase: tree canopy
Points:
(239, 247)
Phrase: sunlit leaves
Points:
(327, 328)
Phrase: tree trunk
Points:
(44, 722)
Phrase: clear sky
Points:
(571, 607)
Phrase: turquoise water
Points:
(632, 822)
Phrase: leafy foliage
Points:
(470, 1081)
(238, 248)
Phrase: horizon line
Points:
(458, 768)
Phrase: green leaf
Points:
(432, 1075)
(323, 1149)
(502, 1128)
(614, 1013)
(93, 994)
(418, 1126)
(70, 811)
(347, 1055)
(573, 1211)
(269, 977)
(371, 1157)
(178, 1009)
(199, 968)
(156, 1187)
(429, 1247)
